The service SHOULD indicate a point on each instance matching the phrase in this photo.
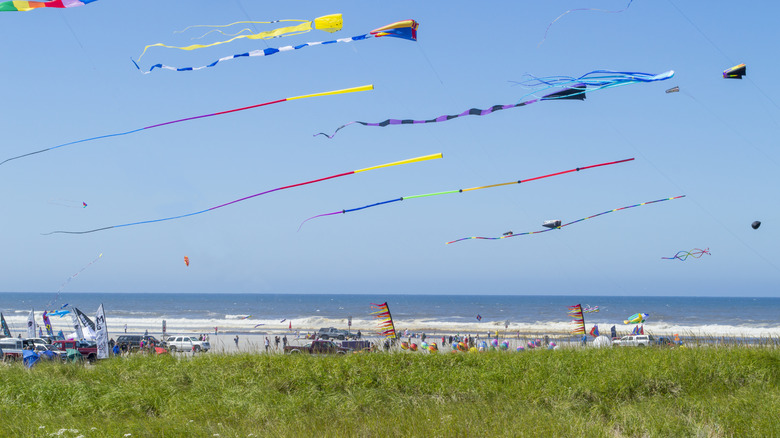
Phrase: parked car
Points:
(634, 341)
(187, 343)
(134, 341)
(317, 347)
(333, 333)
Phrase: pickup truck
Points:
(87, 351)
(317, 347)
(333, 333)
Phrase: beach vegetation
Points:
(704, 391)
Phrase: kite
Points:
(287, 99)
(755, 225)
(258, 325)
(552, 224)
(577, 10)
(386, 326)
(59, 313)
(464, 190)
(735, 72)
(68, 203)
(595, 331)
(65, 283)
(573, 89)
(406, 29)
(18, 5)
(329, 23)
(636, 318)
(673, 90)
(479, 317)
(186, 260)
(338, 175)
(589, 309)
(683, 255)
(579, 320)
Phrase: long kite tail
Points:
(576, 169)
(571, 88)
(325, 93)
(683, 255)
(17, 5)
(506, 236)
(396, 163)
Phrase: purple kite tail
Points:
(319, 215)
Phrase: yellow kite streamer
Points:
(328, 23)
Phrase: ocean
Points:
(269, 313)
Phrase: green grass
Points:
(642, 392)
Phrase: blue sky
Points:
(68, 75)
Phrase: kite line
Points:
(396, 163)
(683, 255)
(287, 99)
(465, 190)
(16, 5)
(572, 88)
(510, 234)
(578, 10)
(406, 29)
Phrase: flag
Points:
(31, 324)
(642, 329)
(595, 331)
(77, 326)
(60, 335)
(86, 322)
(289, 327)
(101, 330)
(479, 317)
(6, 330)
(579, 320)
(635, 331)
(613, 332)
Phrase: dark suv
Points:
(134, 341)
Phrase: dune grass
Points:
(708, 392)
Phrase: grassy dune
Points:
(708, 392)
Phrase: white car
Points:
(635, 341)
(187, 343)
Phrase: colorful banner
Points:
(77, 327)
(6, 330)
(385, 323)
(47, 324)
(579, 320)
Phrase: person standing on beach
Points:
(276, 341)
(284, 341)
(125, 328)
(236, 341)
(215, 330)
(267, 344)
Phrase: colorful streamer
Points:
(406, 29)
(683, 255)
(385, 320)
(329, 23)
(396, 163)
(579, 319)
(17, 5)
(287, 99)
(506, 235)
(577, 169)
(573, 89)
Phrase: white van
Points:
(12, 348)
(635, 341)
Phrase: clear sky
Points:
(68, 75)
